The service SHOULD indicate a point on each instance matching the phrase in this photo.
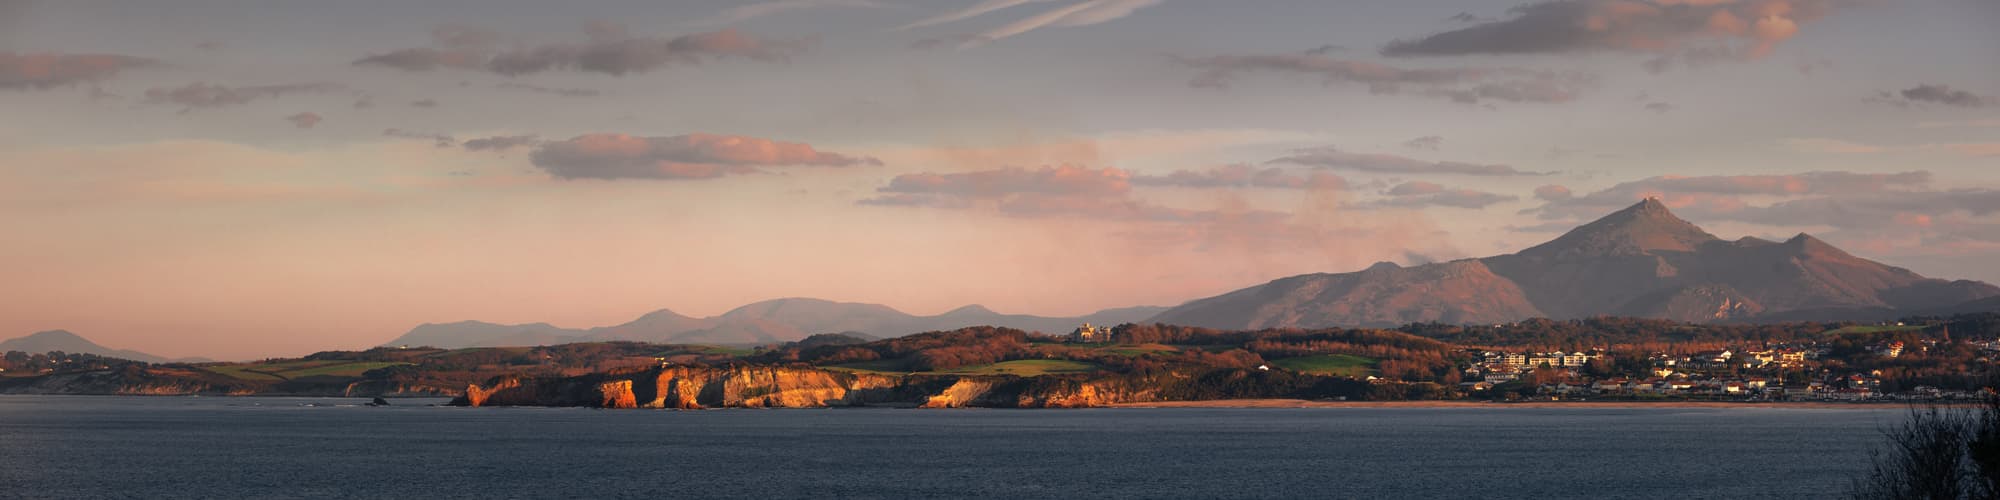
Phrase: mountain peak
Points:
(662, 314)
(1643, 228)
(48, 335)
(971, 310)
(63, 340)
(1806, 244)
(1652, 205)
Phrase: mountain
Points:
(1464, 291)
(771, 321)
(480, 333)
(61, 340)
(1641, 261)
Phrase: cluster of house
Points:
(1790, 356)
(1498, 366)
(1710, 373)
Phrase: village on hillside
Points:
(1786, 371)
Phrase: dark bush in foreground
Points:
(1939, 453)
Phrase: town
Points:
(1783, 373)
(1884, 362)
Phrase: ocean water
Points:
(164, 447)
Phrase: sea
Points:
(219, 447)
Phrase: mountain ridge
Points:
(770, 321)
(1640, 261)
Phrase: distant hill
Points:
(771, 321)
(61, 340)
(1641, 262)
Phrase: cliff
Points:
(794, 387)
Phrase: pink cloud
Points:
(19, 71)
(304, 120)
(1685, 31)
(610, 50)
(1243, 176)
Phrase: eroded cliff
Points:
(692, 387)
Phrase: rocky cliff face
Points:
(692, 387)
(790, 387)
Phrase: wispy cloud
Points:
(1242, 176)
(1083, 13)
(1835, 146)
(692, 156)
(1333, 158)
(441, 140)
(502, 143)
(611, 50)
(208, 95)
(1937, 94)
(559, 91)
(1691, 32)
(984, 6)
(304, 120)
(1458, 84)
(1420, 194)
(43, 71)
(747, 12)
(1064, 191)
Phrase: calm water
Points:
(131, 447)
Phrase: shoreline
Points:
(1616, 405)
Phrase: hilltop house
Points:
(1088, 333)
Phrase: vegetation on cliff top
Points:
(1424, 360)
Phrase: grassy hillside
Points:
(1345, 365)
(1026, 368)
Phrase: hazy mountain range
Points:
(1641, 261)
(62, 340)
(770, 321)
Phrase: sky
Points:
(247, 179)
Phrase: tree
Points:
(1940, 453)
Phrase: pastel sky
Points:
(244, 179)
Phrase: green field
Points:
(709, 349)
(241, 372)
(1331, 364)
(1027, 368)
(1138, 350)
(354, 369)
(1022, 367)
(298, 369)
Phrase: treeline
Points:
(1581, 334)
(930, 351)
(27, 363)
